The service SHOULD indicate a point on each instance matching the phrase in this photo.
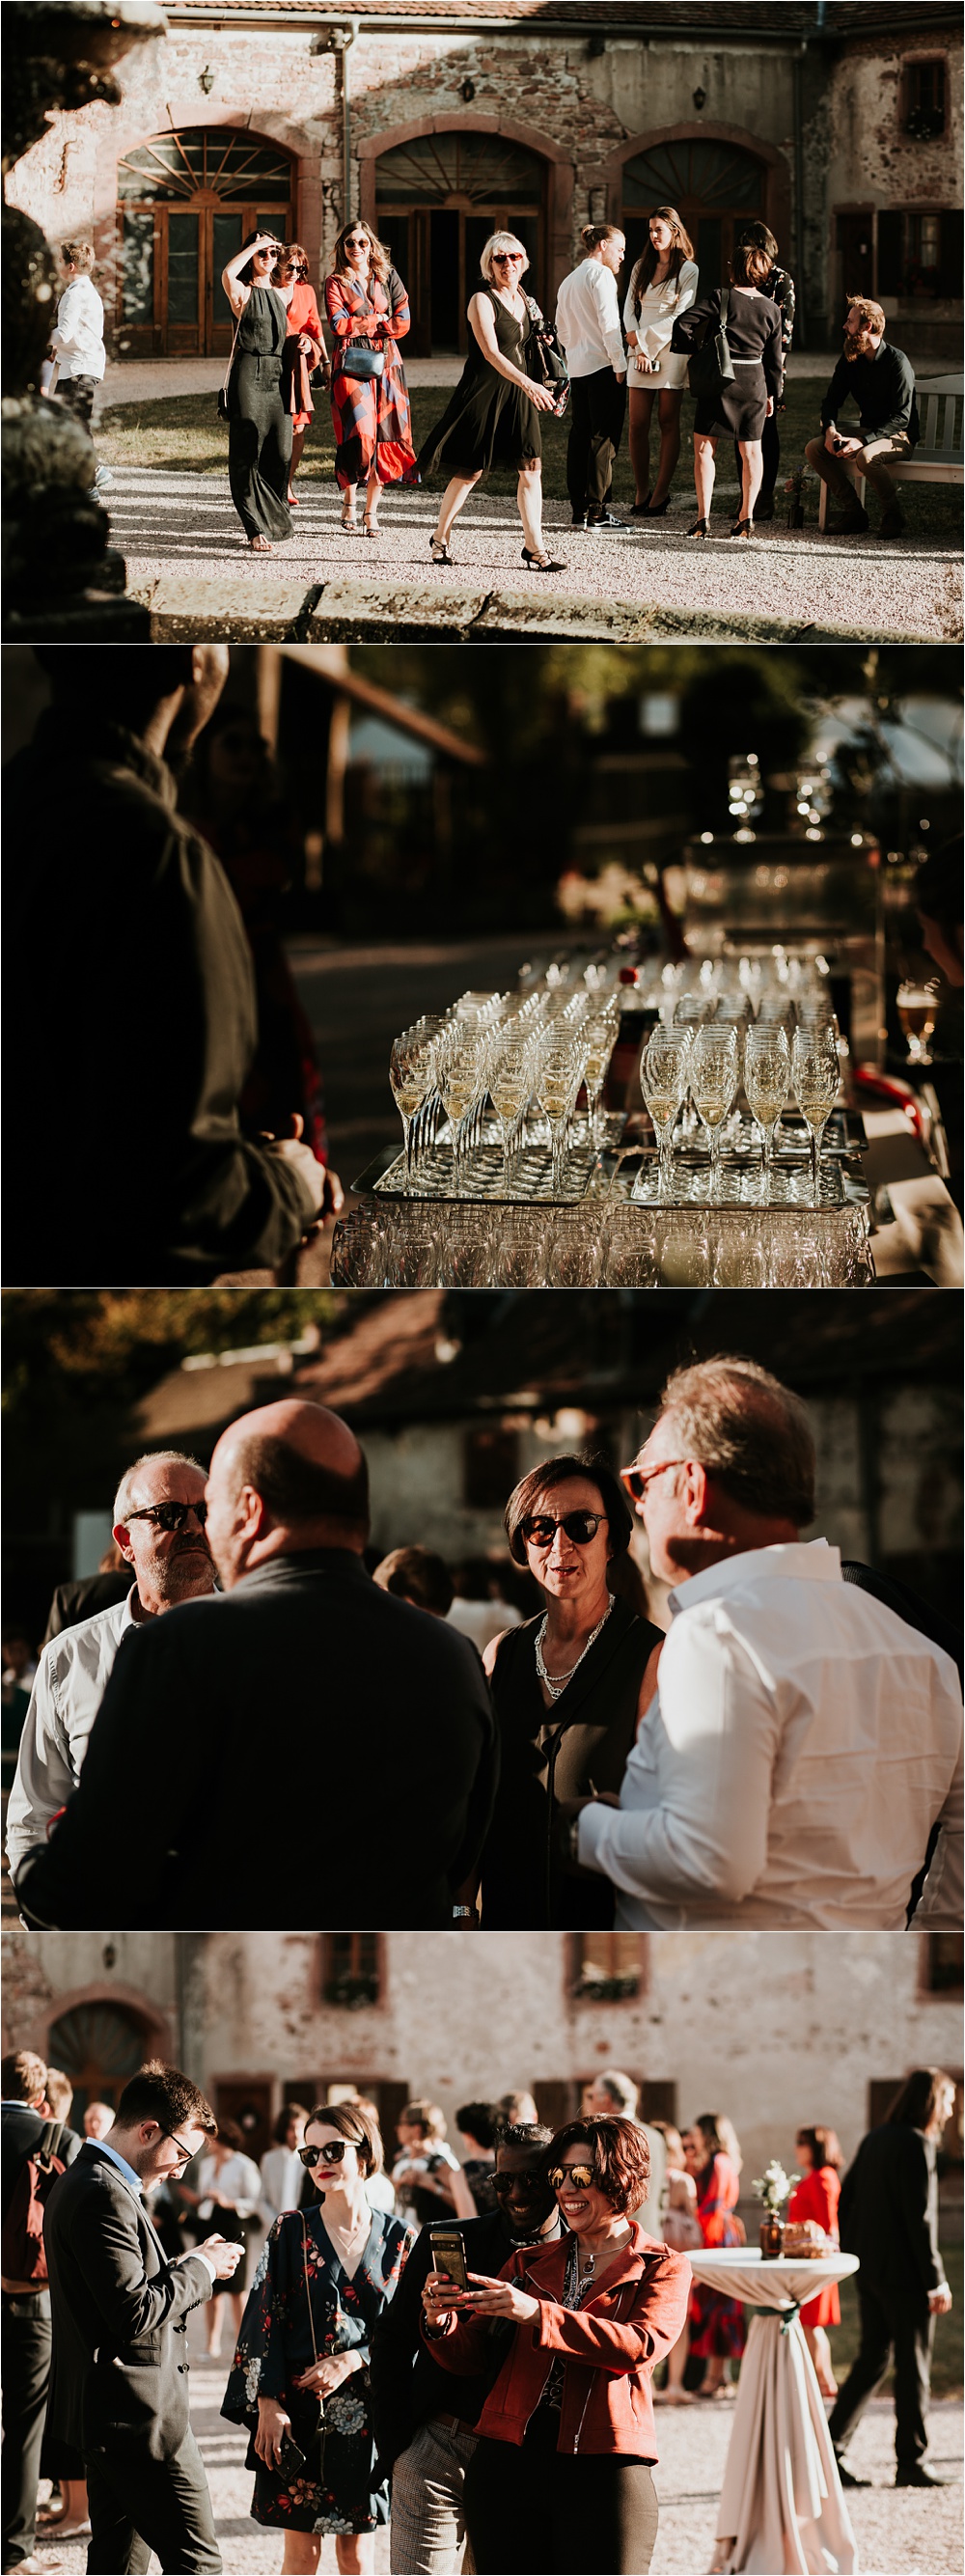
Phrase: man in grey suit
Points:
(119, 2310)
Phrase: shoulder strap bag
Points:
(316, 2457)
(361, 361)
(711, 365)
(223, 395)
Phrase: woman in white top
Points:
(227, 2192)
(282, 2171)
(663, 284)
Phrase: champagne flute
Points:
(457, 1089)
(410, 1076)
(767, 1074)
(815, 1075)
(663, 1082)
(714, 1073)
(510, 1084)
(554, 1091)
(600, 1034)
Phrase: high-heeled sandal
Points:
(657, 509)
(439, 550)
(348, 520)
(370, 526)
(741, 528)
(701, 528)
(533, 562)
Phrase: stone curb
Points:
(340, 612)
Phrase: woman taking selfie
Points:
(560, 2481)
(368, 309)
(259, 427)
(568, 1688)
(663, 285)
(301, 2372)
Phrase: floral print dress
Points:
(335, 2490)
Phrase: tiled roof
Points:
(702, 17)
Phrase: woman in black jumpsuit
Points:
(259, 427)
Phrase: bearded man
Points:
(881, 382)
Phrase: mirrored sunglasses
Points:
(540, 1531)
(330, 2154)
(168, 1516)
(579, 2177)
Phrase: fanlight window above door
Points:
(481, 169)
(694, 173)
(205, 161)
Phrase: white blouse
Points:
(660, 307)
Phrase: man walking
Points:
(803, 1739)
(880, 381)
(420, 2438)
(24, 2127)
(159, 1515)
(335, 1736)
(888, 2217)
(119, 2384)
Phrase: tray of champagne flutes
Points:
(743, 1165)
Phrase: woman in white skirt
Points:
(663, 284)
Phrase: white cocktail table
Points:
(782, 2511)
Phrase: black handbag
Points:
(361, 361)
(711, 365)
(550, 360)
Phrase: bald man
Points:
(131, 1022)
(338, 1760)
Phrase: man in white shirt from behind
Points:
(803, 1739)
(169, 1566)
(588, 323)
(78, 340)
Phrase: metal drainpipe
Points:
(800, 325)
(346, 37)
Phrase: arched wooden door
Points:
(437, 199)
(186, 200)
(99, 2046)
(714, 186)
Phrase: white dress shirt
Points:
(802, 1743)
(282, 2177)
(481, 1621)
(588, 320)
(236, 2180)
(79, 337)
(70, 1683)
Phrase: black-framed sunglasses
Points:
(331, 2153)
(168, 1516)
(356, 241)
(540, 1531)
(579, 2177)
(529, 2185)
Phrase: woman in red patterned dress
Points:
(304, 350)
(816, 2196)
(717, 2330)
(366, 301)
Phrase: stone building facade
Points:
(779, 2030)
(837, 120)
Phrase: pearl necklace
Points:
(555, 1683)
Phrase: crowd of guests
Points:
(458, 2345)
(521, 367)
(590, 1769)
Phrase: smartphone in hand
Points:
(449, 2256)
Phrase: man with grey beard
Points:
(159, 1516)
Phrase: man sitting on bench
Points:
(882, 383)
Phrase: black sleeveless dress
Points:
(259, 427)
(548, 1754)
(488, 421)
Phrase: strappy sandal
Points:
(348, 521)
(370, 526)
(541, 563)
(260, 546)
(439, 550)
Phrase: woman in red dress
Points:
(366, 301)
(816, 2196)
(717, 2330)
(304, 350)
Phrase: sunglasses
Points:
(331, 2154)
(539, 1530)
(357, 241)
(507, 258)
(636, 1479)
(168, 1516)
(579, 2177)
(528, 2185)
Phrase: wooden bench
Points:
(938, 457)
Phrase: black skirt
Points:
(735, 411)
(488, 421)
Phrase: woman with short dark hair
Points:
(568, 1688)
(737, 410)
(561, 2476)
(259, 427)
(300, 2380)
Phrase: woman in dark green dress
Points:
(259, 426)
(493, 418)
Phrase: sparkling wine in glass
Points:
(411, 1076)
(663, 1082)
(600, 1034)
(714, 1074)
(457, 1087)
(767, 1076)
(815, 1075)
(510, 1084)
(917, 1008)
(555, 1092)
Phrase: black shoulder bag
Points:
(711, 365)
(550, 361)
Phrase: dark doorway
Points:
(855, 258)
(444, 308)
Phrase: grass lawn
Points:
(183, 433)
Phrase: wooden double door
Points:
(170, 296)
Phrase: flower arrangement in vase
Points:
(772, 2187)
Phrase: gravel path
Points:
(181, 527)
(909, 2534)
(155, 379)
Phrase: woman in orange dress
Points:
(816, 2196)
(717, 2329)
(304, 350)
(366, 302)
